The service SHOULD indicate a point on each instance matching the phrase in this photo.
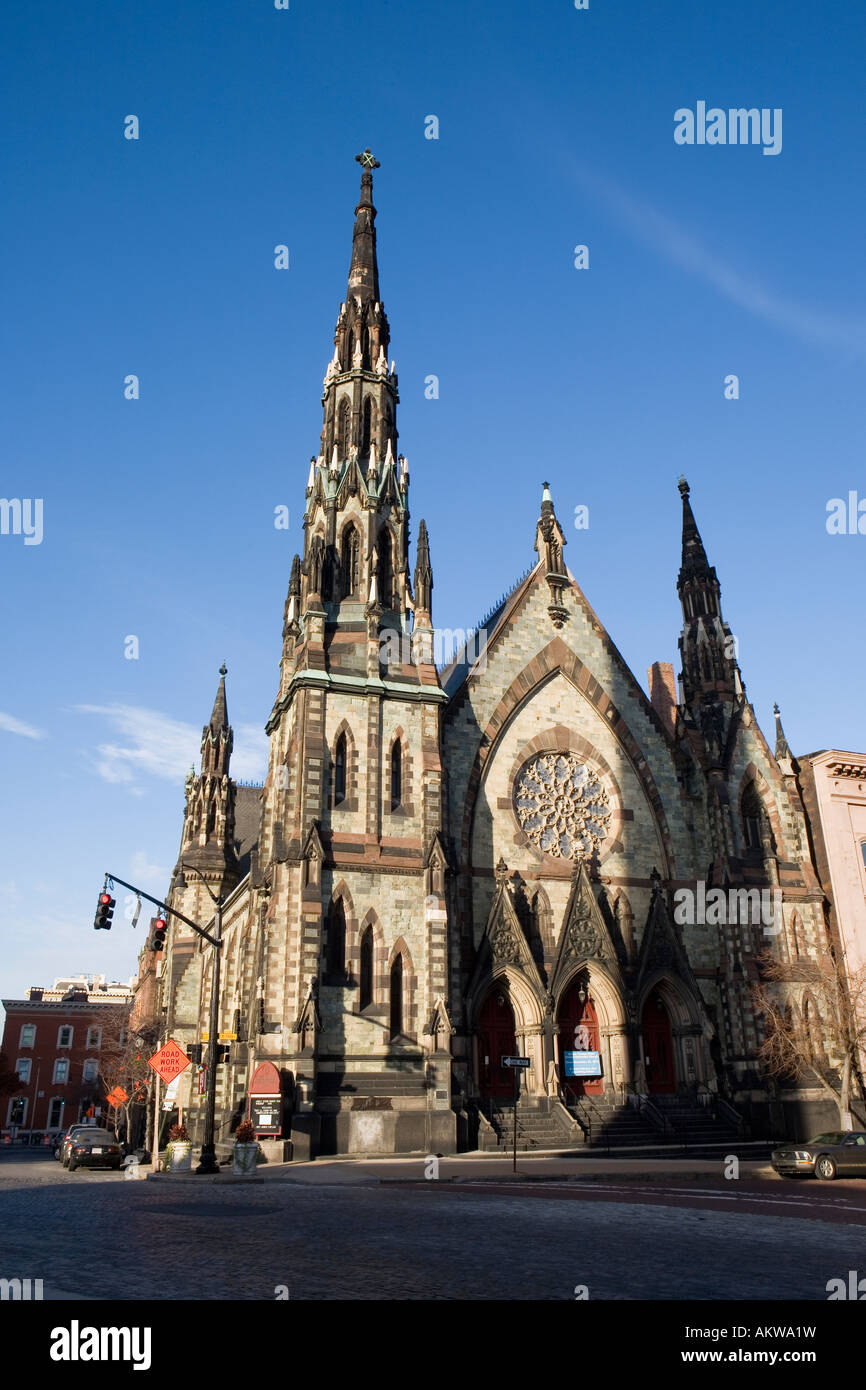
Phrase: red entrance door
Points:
(496, 1040)
(578, 1032)
(658, 1047)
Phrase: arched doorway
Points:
(658, 1047)
(496, 1039)
(579, 1032)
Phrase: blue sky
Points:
(155, 257)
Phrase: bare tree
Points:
(123, 1063)
(815, 1026)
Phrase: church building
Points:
(511, 856)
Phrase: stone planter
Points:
(179, 1155)
(244, 1159)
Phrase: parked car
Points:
(94, 1148)
(837, 1154)
(64, 1141)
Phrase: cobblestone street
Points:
(338, 1232)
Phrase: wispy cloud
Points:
(153, 744)
(11, 725)
(651, 227)
(146, 874)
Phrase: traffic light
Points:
(104, 912)
(157, 941)
(223, 1050)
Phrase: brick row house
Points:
(55, 1039)
(508, 855)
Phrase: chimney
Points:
(662, 690)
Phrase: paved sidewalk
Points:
(486, 1168)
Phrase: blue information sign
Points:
(583, 1064)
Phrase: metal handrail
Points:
(585, 1124)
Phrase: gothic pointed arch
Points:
(398, 774)
(343, 757)
(558, 658)
(585, 937)
(350, 561)
(344, 427)
(504, 951)
(402, 992)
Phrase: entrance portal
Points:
(658, 1047)
(496, 1040)
(578, 1032)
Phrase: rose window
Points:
(562, 805)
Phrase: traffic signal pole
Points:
(207, 1163)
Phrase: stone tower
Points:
(351, 856)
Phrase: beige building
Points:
(834, 793)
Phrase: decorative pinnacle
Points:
(224, 670)
(683, 487)
(366, 160)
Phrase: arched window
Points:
(350, 563)
(535, 922)
(366, 968)
(753, 815)
(350, 348)
(366, 425)
(344, 428)
(397, 997)
(386, 569)
(365, 349)
(335, 945)
(340, 757)
(863, 852)
(396, 774)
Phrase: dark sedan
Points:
(839, 1153)
(94, 1148)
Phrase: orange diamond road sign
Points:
(170, 1061)
(117, 1096)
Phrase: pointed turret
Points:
(209, 827)
(549, 543)
(217, 737)
(707, 647)
(423, 574)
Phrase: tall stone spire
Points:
(707, 646)
(357, 503)
(360, 397)
(364, 271)
(209, 825)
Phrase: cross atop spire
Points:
(366, 160)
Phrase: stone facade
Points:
(511, 854)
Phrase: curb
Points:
(200, 1178)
